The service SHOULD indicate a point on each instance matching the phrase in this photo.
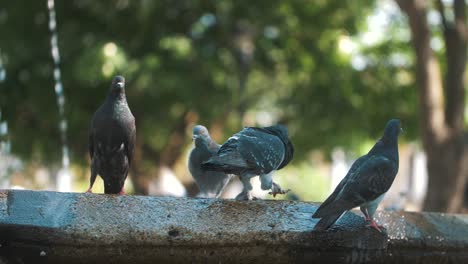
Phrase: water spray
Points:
(64, 175)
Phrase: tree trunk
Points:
(243, 51)
(143, 175)
(441, 126)
(139, 181)
(174, 147)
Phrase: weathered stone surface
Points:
(56, 227)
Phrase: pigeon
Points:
(210, 183)
(112, 139)
(254, 151)
(366, 182)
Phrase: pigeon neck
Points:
(202, 142)
(113, 96)
(390, 140)
(387, 146)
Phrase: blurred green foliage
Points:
(189, 56)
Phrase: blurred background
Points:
(334, 71)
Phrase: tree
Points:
(187, 61)
(441, 103)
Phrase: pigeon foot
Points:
(276, 189)
(279, 192)
(244, 196)
(89, 190)
(122, 192)
(374, 225)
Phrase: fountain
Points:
(4, 151)
(64, 176)
(52, 227)
(8, 163)
(4, 143)
(2, 70)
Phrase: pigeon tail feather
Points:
(113, 188)
(326, 222)
(212, 165)
(337, 206)
(226, 163)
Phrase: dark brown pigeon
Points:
(366, 182)
(112, 139)
(254, 151)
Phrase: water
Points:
(2, 70)
(8, 163)
(5, 145)
(64, 176)
(4, 142)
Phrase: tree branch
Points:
(455, 38)
(428, 74)
(441, 8)
(460, 11)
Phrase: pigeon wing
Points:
(228, 159)
(281, 132)
(129, 140)
(339, 187)
(91, 143)
(263, 152)
(372, 179)
(288, 154)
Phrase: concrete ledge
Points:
(51, 227)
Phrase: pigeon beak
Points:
(119, 85)
(194, 137)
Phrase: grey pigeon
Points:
(366, 182)
(210, 183)
(254, 151)
(112, 139)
